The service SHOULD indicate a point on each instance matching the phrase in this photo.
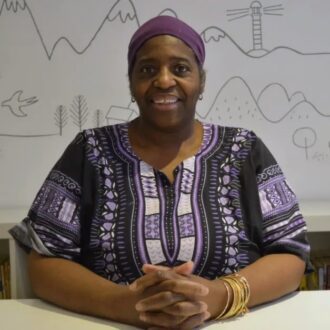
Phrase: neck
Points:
(146, 136)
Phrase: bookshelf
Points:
(317, 215)
(8, 247)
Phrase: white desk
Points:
(303, 310)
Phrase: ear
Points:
(131, 92)
(203, 77)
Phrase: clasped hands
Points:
(172, 298)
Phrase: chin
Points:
(168, 121)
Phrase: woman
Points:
(165, 203)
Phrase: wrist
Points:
(238, 289)
(113, 302)
(220, 298)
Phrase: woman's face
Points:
(166, 82)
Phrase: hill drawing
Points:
(235, 96)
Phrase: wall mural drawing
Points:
(61, 118)
(116, 11)
(79, 111)
(16, 103)
(255, 11)
(63, 69)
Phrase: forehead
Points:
(165, 46)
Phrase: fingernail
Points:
(143, 317)
(204, 290)
(207, 315)
(139, 307)
(204, 307)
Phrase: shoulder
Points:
(109, 131)
(232, 134)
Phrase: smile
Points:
(169, 99)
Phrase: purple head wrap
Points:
(169, 25)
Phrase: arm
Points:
(72, 286)
(270, 277)
(273, 276)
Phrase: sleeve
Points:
(283, 228)
(52, 226)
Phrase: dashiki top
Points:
(112, 212)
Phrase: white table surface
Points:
(303, 310)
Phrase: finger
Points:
(161, 320)
(185, 269)
(194, 321)
(158, 301)
(191, 290)
(148, 280)
(148, 268)
(152, 279)
(186, 308)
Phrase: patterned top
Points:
(107, 209)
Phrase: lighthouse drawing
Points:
(256, 25)
(256, 11)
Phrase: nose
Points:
(164, 79)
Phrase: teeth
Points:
(165, 100)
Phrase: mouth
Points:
(164, 99)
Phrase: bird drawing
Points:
(16, 103)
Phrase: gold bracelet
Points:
(241, 295)
(236, 298)
(227, 302)
(242, 290)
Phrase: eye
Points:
(181, 69)
(147, 69)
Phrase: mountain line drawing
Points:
(287, 103)
(116, 11)
(125, 10)
(168, 12)
(215, 34)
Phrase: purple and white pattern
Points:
(104, 223)
(282, 219)
(58, 201)
(106, 208)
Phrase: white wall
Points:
(58, 56)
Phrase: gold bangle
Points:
(241, 295)
(227, 302)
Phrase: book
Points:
(5, 280)
(322, 268)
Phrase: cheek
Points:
(195, 93)
(138, 90)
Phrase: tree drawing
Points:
(305, 138)
(79, 111)
(98, 118)
(61, 118)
